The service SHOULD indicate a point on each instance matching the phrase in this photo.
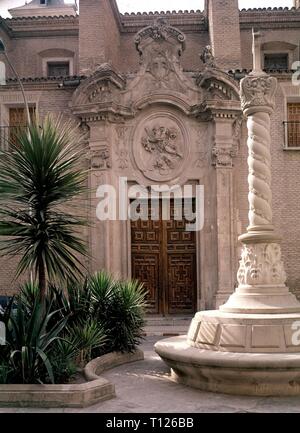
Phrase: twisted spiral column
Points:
(261, 274)
(257, 97)
(259, 162)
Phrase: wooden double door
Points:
(163, 255)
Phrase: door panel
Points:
(164, 259)
(145, 254)
(181, 265)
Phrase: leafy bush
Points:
(123, 317)
(29, 341)
(46, 341)
(118, 305)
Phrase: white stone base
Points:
(248, 333)
(260, 374)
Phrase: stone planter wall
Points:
(93, 391)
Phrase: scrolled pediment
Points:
(218, 85)
(100, 87)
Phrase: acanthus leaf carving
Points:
(258, 92)
(261, 264)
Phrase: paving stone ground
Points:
(144, 387)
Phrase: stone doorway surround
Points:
(202, 111)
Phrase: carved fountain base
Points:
(250, 345)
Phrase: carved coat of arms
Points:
(161, 142)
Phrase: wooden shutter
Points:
(18, 120)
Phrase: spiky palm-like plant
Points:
(39, 176)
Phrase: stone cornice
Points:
(42, 26)
(217, 109)
(186, 21)
(270, 18)
(110, 111)
(40, 83)
(285, 75)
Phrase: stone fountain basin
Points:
(259, 374)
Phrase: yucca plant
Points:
(29, 341)
(39, 176)
(120, 307)
(125, 321)
(86, 336)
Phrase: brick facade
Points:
(101, 35)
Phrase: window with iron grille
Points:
(276, 61)
(292, 126)
(58, 69)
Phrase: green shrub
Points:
(29, 340)
(47, 341)
(120, 307)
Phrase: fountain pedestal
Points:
(251, 344)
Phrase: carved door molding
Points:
(163, 257)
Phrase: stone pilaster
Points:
(222, 159)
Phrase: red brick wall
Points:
(98, 34)
(223, 17)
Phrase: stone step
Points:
(165, 331)
(167, 326)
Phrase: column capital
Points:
(258, 93)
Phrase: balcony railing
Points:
(292, 135)
(8, 136)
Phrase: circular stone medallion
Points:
(160, 146)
